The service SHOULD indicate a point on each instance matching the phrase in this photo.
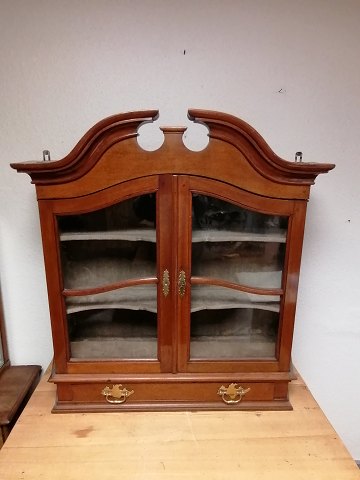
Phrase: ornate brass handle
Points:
(116, 394)
(182, 283)
(232, 394)
(166, 283)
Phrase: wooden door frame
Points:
(295, 211)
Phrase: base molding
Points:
(66, 407)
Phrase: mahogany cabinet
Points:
(172, 274)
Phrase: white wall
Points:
(289, 68)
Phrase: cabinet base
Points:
(66, 407)
(98, 393)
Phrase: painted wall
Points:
(289, 68)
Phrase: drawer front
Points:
(167, 396)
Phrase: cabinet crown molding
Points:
(224, 128)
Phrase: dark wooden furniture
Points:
(4, 354)
(172, 274)
(16, 385)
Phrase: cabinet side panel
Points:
(50, 241)
(291, 281)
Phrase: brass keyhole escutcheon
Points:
(116, 394)
(166, 283)
(232, 394)
(182, 283)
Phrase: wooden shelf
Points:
(145, 296)
(212, 298)
(140, 297)
(236, 236)
(149, 235)
(104, 271)
(133, 235)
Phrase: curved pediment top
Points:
(233, 130)
(100, 137)
(224, 127)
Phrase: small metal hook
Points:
(46, 156)
(298, 156)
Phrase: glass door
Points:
(236, 287)
(106, 256)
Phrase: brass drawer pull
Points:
(166, 283)
(116, 394)
(232, 394)
(182, 283)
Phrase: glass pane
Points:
(102, 248)
(256, 264)
(132, 219)
(212, 215)
(92, 263)
(120, 324)
(140, 297)
(109, 245)
(244, 247)
(210, 297)
(237, 245)
(228, 324)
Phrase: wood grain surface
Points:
(298, 444)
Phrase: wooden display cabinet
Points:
(172, 274)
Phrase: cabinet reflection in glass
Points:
(213, 213)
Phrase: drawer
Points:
(166, 396)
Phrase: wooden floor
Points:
(149, 446)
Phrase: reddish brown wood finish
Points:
(108, 166)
